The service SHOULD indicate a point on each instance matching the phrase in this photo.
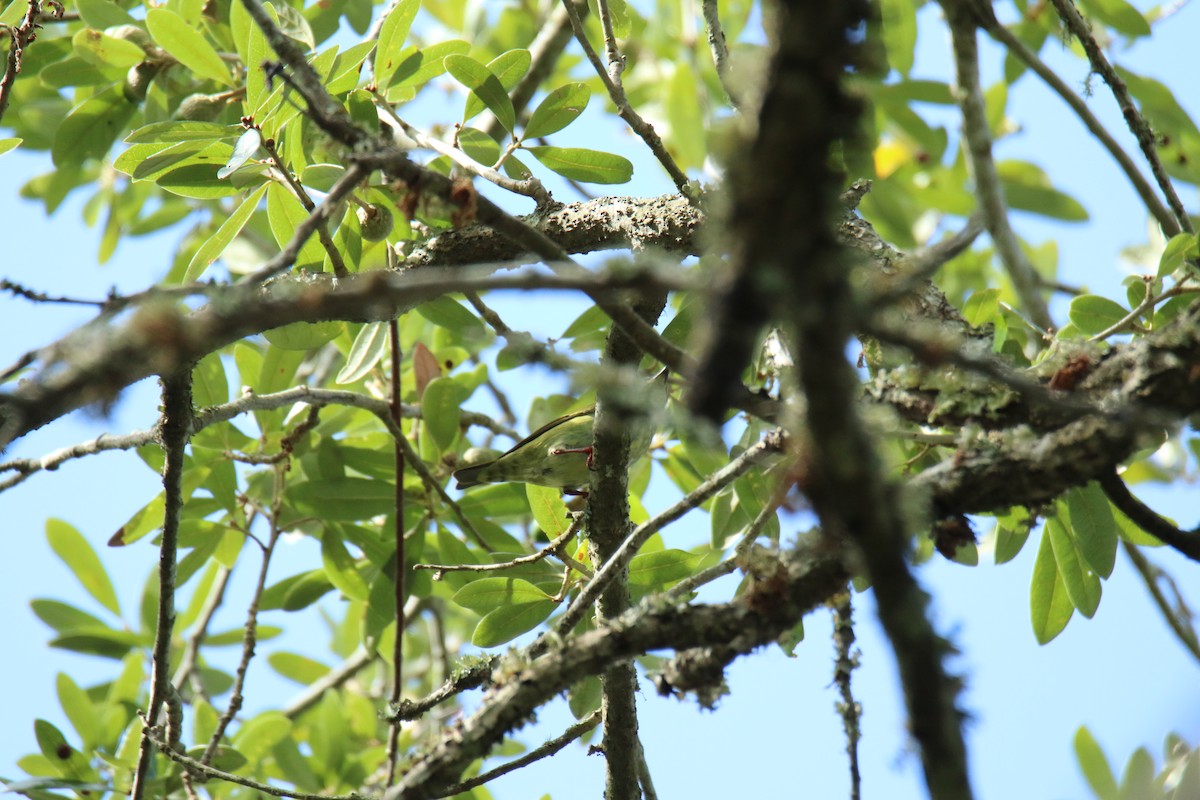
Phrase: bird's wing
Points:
(554, 423)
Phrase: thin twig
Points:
(545, 750)
(773, 442)
(1133, 117)
(330, 680)
(401, 568)
(250, 637)
(285, 258)
(21, 37)
(212, 772)
(616, 61)
(472, 677)
(719, 48)
(1160, 213)
(335, 255)
(532, 558)
(191, 652)
(978, 140)
(174, 425)
(18, 290)
(846, 661)
(1146, 518)
(530, 187)
(1177, 619)
(642, 128)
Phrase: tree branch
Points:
(1133, 118)
(174, 426)
(988, 189)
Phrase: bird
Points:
(558, 454)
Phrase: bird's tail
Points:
(470, 476)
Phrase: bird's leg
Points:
(562, 451)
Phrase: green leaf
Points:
(293, 25)
(1138, 781)
(1012, 531)
(391, 40)
(103, 13)
(479, 146)
(1093, 527)
(91, 127)
(448, 313)
(303, 336)
(1028, 188)
(187, 45)
(70, 546)
(101, 50)
(899, 33)
(418, 66)
(1118, 15)
(342, 499)
(484, 85)
(79, 709)
(341, 568)
(9, 144)
(1183, 246)
(106, 643)
(441, 408)
(152, 167)
(505, 624)
(295, 667)
(581, 164)
(659, 569)
(368, 347)
(982, 307)
(211, 250)
(64, 618)
(1081, 582)
(508, 68)
(226, 759)
(1049, 607)
(1092, 313)
(197, 181)
(549, 510)
(1094, 765)
(255, 738)
(558, 110)
(487, 594)
(685, 117)
(57, 750)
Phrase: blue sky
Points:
(1121, 673)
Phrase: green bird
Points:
(558, 454)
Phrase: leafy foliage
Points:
(188, 117)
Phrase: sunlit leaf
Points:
(75, 551)
(508, 67)
(187, 44)
(558, 110)
(211, 250)
(484, 85)
(582, 164)
(391, 40)
(1049, 606)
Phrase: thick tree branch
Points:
(521, 685)
(608, 525)
(784, 211)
